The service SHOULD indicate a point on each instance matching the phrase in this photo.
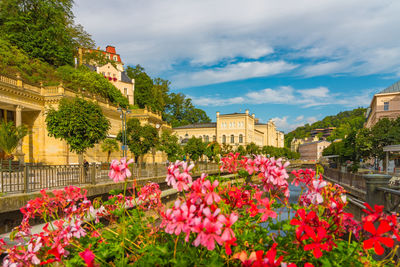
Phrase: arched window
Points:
(223, 139)
(214, 138)
(206, 139)
(240, 138)
(232, 139)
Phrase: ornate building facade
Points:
(26, 104)
(234, 129)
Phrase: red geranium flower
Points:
(377, 237)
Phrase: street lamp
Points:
(158, 126)
(124, 138)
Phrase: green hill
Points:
(344, 122)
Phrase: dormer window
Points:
(115, 58)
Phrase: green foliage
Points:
(226, 149)
(345, 122)
(278, 152)
(10, 136)
(109, 145)
(13, 60)
(241, 150)
(84, 78)
(79, 122)
(213, 150)
(140, 139)
(195, 148)
(169, 144)
(252, 149)
(44, 29)
(154, 93)
(180, 111)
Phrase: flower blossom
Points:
(119, 170)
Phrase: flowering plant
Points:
(256, 218)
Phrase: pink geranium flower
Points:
(88, 257)
(119, 170)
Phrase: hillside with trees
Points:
(39, 40)
(345, 122)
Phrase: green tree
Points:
(195, 148)
(79, 122)
(252, 149)
(109, 145)
(241, 150)
(140, 139)
(143, 86)
(213, 150)
(10, 137)
(44, 29)
(170, 145)
(180, 110)
(226, 149)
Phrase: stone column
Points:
(18, 122)
(372, 182)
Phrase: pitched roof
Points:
(392, 89)
(125, 78)
(198, 125)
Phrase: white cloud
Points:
(305, 98)
(299, 118)
(333, 36)
(286, 125)
(231, 72)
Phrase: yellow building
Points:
(295, 144)
(313, 150)
(234, 129)
(385, 104)
(26, 104)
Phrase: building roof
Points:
(314, 142)
(91, 67)
(235, 113)
(198, 125)
(125, 78)
(392, 89)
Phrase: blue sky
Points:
(291, 61)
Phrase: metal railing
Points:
(34, 177)
(347, 178)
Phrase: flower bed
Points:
(212, 223)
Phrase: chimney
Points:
(253, 115)
(110, 49)
(247, 112)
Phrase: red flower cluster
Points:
(387, 229)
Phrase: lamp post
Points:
(158, 127)
(123, 126)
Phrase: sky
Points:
(294, 62)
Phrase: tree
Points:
(140, 139)
(44, 29)
(10, 137)
(241, 150)
(195, 148)
(80, 123)
(169, 144)
(110, 145)
(180, 111)
(143, 86)
(213, 150)
(252, 149)
(226, 149)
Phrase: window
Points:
(385, 106)
(223, 139)
(214, 138)
(206, 139)
(125, 91)
(232, 139)
(115, 58)
(240, 138)
(230, 125)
